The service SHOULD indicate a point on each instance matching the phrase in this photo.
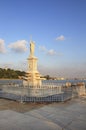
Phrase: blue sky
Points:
(58, 28)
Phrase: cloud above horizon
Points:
(2, 46)
(19, 46)
(66, 72)
(60, 38)
(50, 52)
(42, 48)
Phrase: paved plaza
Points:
(70, 115)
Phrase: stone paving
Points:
(70, 115)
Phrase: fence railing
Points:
(47, 93)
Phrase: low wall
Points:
(30, 91)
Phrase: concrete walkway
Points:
(70, 115)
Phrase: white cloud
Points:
(60, 38)
(19, 46)
(51, 52)
(2, 46)
(42, 48)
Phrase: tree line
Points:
(10, 73)
(15, 74)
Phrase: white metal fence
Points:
(45, 93)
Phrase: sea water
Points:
(18, 81)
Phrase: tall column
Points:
(33, 75)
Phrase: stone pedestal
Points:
(33, 76)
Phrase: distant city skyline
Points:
(58, 28)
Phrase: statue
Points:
(32, 47)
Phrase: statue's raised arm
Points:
(32, 48)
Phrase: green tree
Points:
(11, 74)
